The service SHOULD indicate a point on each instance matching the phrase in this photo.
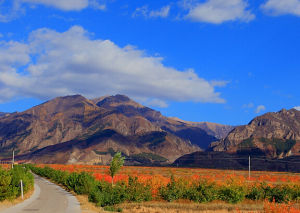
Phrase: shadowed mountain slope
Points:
(73, 129)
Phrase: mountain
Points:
(272, 140)
(2, 114)
(219, 131)
(73, 129)
(238, 161)
(276, 135)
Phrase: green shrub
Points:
(84, 183)
(174, 190)
(10, 182)
(5, 187)
(202, 192)
(136, 191)
(232, 193)
(296, 192)
(106, 195)
(72, 181)
(256, 193)
(61, 177)
(18, 174)
(280, 194)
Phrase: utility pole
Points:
(13, 159)
(249, 167)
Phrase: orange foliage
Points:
(158, 176)
(273, 207)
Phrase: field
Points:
(162, 175)
(168, 184)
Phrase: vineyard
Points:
(278, 192)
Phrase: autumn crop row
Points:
(137, 189)
(163, 174)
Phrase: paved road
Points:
(47, 198)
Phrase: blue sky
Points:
(223, 61)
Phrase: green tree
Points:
(115, 165)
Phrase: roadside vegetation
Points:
(10, 187)
(110, 195)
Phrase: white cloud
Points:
(55, 64)
(297, 108)
(260, 108)
(144, 11)
(219, 11)
(248, 106)
(163, 12)
(66, 5)
(281, 7)
(141, 11)
(156, 103)
(15, 8)
(97, 5)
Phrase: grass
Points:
(190, 207)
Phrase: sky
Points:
(223, 61)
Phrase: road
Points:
(47, 198)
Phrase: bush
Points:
(280, 194)
(10, 182)
(106, 195)
(84, 183)
(174, 190)
(137, 192)
(202, 192)
(256, 193)
(232, 193)
(72, 181)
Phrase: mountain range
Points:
(74, 129)
(77, 130)
(271, 140)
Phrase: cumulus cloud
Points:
(11, 9)
(297, 108)
(144, 11)
(66, 5)
(260, 108)
(218, 11)
(280, 7)
(54, 64)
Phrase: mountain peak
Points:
(116, 100)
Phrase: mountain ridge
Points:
(79, 126)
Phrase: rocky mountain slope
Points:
(272, 140)
(73, 129)
(275, 134)
(2, 114)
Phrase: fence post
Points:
(22, 189)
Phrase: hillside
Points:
(273, 141)
(219, 131)
(73, 129)
(275, 134)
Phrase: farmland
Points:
(162, 187)
(162, 175)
